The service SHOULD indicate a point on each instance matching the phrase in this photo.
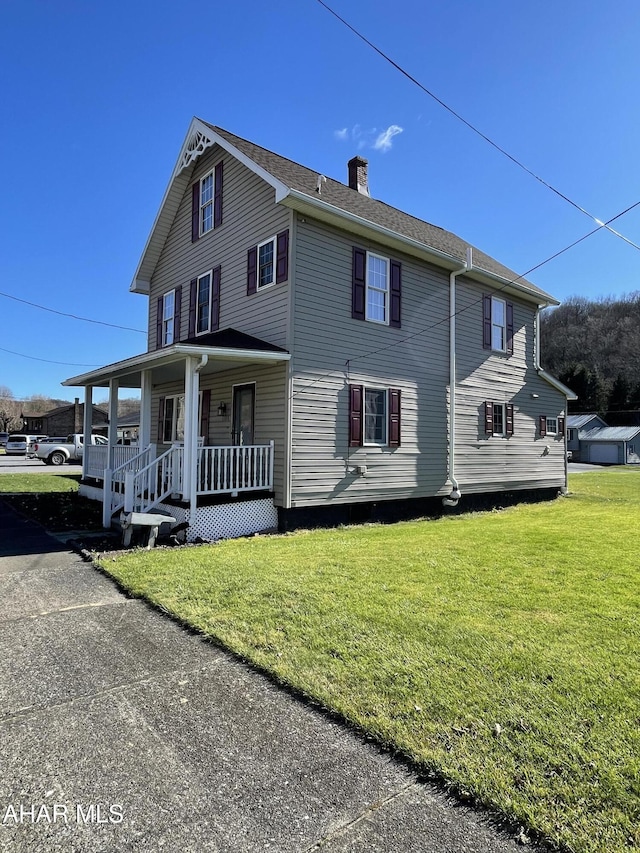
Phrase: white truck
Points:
(59, 452)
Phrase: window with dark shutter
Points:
(195, 211)
(509, 328)
(394, 417)
(509, 419)
(282, 256)
(161, 419)
(215, 300)
(359, 283)
(356, 411)
(159, 318)
(488, 417)
(193, 301)
(252, 270)
(217, 196)
(543, 425)
(204, 415)
(396, 294)
(486, 321)
(561, 426)
(177, 315)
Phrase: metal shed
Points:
(611, 445)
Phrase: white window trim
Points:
(384, 442)
(174, 419)
(200, 277)
(494, 300)
(551, 421)
(502, 406)
(166, 319)
(368, 287)
(201, 229)
(273, 278)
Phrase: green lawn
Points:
(499, 650)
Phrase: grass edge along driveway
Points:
(498, 650)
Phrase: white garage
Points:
(610, 445)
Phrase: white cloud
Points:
(383, 142)
(371, 138)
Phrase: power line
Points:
(72, 316)
(475, 129)
(395, 344)
(47, 360)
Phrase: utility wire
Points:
(395, 344)
(48, 361)
(475, 129)
(73, 316)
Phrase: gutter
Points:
(455, 494)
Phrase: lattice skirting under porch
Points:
(226, 521)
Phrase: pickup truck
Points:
(57, 453)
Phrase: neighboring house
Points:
(610, 445)
(577, 424)
(315, 355)
(128, 428)
(64, 420)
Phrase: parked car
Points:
(18, 444)
(3, 439)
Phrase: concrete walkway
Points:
(119, 731)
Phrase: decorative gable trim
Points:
(199, 138)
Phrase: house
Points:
(64, 420)
(577, 424)
(610, 445)
(315, 355)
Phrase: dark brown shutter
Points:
(217, 196)
(486, 322)
(509, 328)
(161, 419)
(195, 212)
(543, 425)
(396, 294)
(488, 417)
(252, 270)
(204, 415)
(282, 256)
(193, 297)
(509, 419)
(159, 312)
(394, 417)
(177, 314)
(356, 415)
(561, 426)
(358, 283)
(215, 300)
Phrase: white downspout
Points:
(455, 494)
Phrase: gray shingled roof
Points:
(578, 421)
(341, 196)
(610, 434)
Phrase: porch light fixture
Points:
(222, 410)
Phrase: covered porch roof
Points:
(219, 351)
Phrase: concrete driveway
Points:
(120, 731)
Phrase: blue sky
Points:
(98, 96)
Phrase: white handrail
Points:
(235, 468)
(149, 486)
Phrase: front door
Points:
(244, 398)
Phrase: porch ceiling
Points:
(168, 365)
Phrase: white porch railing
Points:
(225, 470)
(98, 458)
(141, 481)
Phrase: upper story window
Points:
(168, 317)
(376, 288)
(497, 324)
(266, 262)
(206, 203)
(203, 304)
(552, 426)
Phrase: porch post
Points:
(191, 429)
(144, 432)
(113, 419)
(86, 423)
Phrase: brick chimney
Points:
(358, 178)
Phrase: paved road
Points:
(22, 465)
(139, 736)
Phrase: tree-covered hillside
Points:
(594, 348)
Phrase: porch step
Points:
(150, 520)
